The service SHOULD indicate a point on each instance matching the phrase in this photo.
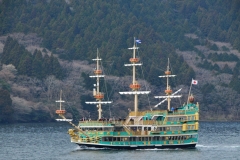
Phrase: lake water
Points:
(50, 141)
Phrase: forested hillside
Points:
(201, 38)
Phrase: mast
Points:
(168, 90)
(96, 91)
(60, 100)
(135, 86)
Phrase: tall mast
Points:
(168, 90)
(135, 86)
(60, 100)
(96, 92)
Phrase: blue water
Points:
(50, 141)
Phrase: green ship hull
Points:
(148, 130)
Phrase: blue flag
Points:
(138, 41)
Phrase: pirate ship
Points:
(148, 129)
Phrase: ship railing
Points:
(94, 123)
(151, 122)
(183, 112)
(146, 122)
(102, 123)
(177, 113)
(146, 112)
(162, 112)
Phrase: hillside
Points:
(201, 38)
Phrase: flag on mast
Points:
(138, 41)
(195, 82)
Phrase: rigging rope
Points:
(149, 103)
(106, 89)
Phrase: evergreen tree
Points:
(46, 70)
(9, 45)
(226, 69)
(6, 110)
(57, 69)
(37, 64)
(25, 65)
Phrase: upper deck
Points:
(156, 117)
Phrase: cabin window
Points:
(106, 129)
(175, 128)
(126, 139)
(134, 128)
(132, 138)
(118, 129)
(182, 118)
(190, 118)
(160, 138)
(190, 127)
(161, 129)
(105, 138)
(171, 138)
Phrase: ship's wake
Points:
(217, 146)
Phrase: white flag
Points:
(195, 82)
